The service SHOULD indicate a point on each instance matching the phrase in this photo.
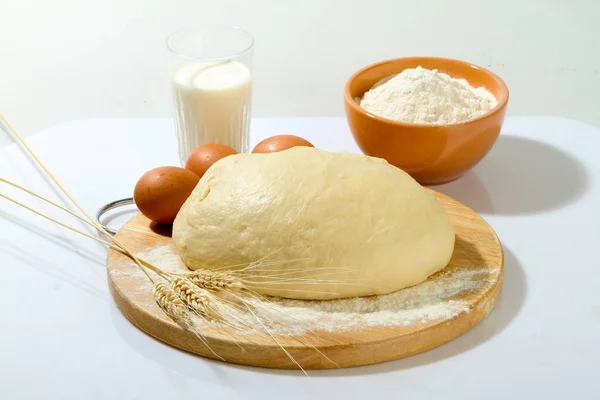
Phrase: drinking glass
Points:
(211, 80)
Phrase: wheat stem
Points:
(167, 298)
(272, 336)
(266, 303)
(99, 227)
(99, 240)
(24, 189)
(307, 344)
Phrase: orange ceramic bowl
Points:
(432, 154)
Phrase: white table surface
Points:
(61, 336)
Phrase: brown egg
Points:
(160, 192)
(280, 143)
(206, 155)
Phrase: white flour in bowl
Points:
(422, 96)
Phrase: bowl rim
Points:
(502, 100)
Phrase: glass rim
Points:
(196, 27)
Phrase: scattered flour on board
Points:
(422, 96)
(432, 300)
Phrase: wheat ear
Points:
(184, 293)
(192, 296)
(98, 227)
(163, 294)
(202, 303)
(175, 309)
(170, 305)
(202, 279)
(214, 280)
(196, 304)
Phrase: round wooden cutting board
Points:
(477, 247)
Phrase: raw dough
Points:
(335, 210)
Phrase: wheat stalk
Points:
(183, 295)
(190, 291)
(98, 227)
(292, 359)
(166, 299)
(99, 240)
(160, 292)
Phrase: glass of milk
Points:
(211, 80)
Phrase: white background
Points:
(69, 59)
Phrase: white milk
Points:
(212, 105)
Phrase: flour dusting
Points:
(436, 299)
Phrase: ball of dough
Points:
(355, 225)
